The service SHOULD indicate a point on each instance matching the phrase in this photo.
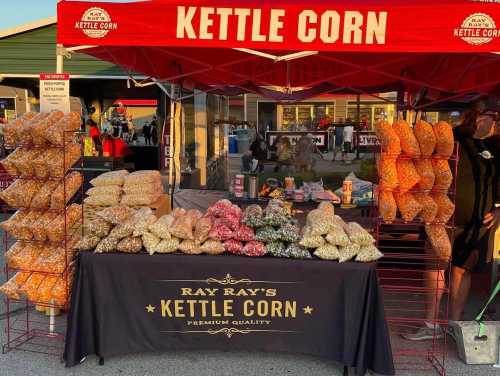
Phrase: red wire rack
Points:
(412, 278)
(34, 326)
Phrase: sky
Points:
(18, 12)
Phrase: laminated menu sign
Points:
(54, 92)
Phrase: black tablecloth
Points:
(124, 303)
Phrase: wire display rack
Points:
(413, 280)
(40, 326)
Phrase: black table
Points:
(123, 303)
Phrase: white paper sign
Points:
(54, 92)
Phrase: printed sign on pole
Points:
(54, 92)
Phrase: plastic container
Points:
(243, 144)
(233, 144)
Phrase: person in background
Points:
(125, 134)
(284, 153)
(364, 123)
(246, 161)
(154, 134)
(146, 131)
(347, 139)
(117, 129)
(121, 109)
(259, 152)
(274, 148)
(107, 127)
(95, 135)
(131, 128)
(478, 184)
(304, 151)
(339, 139)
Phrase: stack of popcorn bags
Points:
(275, 229)
(139, 188)
(415, 177)
(330, 238)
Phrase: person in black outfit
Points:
(259, 152)
(146, 130)
(154, 135)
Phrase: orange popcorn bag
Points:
(445, 142)
(426, 172)
(425, 137)
(429, 207)
(440, 241)
(388, 173)
(387, 206)
(445, 206)
(408, 206)
(407, 174)
(409, 143)
(443, 174)
(388, 138)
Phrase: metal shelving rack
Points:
(38, 326)
(408, 287)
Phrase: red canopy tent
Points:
(292, 49)
(297, 49)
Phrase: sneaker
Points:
(424, 334)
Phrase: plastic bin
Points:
(243, 144)
(233, 144)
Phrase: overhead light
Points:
(128, 83)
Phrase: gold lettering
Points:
(228, 292)
(186, 291)
(276, 307)
(191, 307)
(214, 309)
(253, 292)
(271, 292)
(165, 308)
(262, 308)
(290, 309)
(228, 308)
(204, 304)
(200, 292)
(211, 292)
(242, 292)
(178, 308)
(248, 308)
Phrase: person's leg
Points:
(460, 285)
(434, 281)
(459, 289)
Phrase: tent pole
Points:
(59, 58)
(171, 166)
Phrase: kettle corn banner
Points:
(415, 26)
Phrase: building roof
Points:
(28, 27)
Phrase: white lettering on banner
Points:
(307, 34)
(185, 22)
(375, 27)
(242, 15)
(330, 26)
(276, 25)
(224, 14)
(206, 22)
(256, 34)
(352, 25)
